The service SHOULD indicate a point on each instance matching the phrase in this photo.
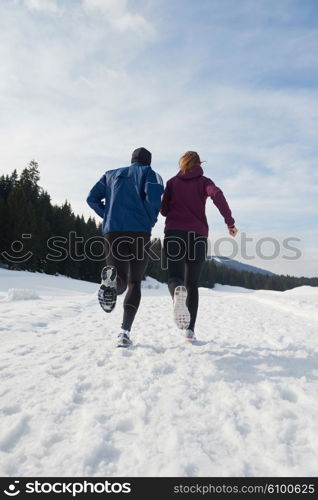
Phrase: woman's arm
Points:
(219, 200)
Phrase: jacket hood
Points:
(196, 171)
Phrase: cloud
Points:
(79, 95)
(42, 5)
(117, 14)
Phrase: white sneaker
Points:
(180, 311)
(124, 340)
(107, 294)
(189, 335)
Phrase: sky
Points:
(84, 82)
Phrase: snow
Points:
(242, 402)
(21, 294)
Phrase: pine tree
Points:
(3, 227)
(29, 179)
(22, 218)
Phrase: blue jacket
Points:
(132, 198)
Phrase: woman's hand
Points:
(233, 231)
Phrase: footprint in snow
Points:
(13, 433)
(289, 435)
(10, 410)
(27, 350)
(79, 392)
(52, 439)
(191, 470)
(39, 324)
(100, 455)
(58, 371)
(124, 425)
(163, 369)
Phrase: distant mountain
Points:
(239, 266)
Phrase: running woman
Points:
(186, 233)
(128, 199)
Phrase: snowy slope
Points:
(239, 266)
(243, 402)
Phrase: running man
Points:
(128, 199)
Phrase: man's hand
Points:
(233, 231)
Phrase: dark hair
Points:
(142, 155)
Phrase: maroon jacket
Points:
(183, 202)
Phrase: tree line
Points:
(39, 236)
(213, 273)
(26, 209)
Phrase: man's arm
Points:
(165, 201)
(96, 195)
(152, 191)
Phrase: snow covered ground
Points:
(242, 402)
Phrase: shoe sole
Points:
(180, 311)
(124, 344)
(190, 340)
(107, 294)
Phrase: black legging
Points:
(185, 253)
(126, 252)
